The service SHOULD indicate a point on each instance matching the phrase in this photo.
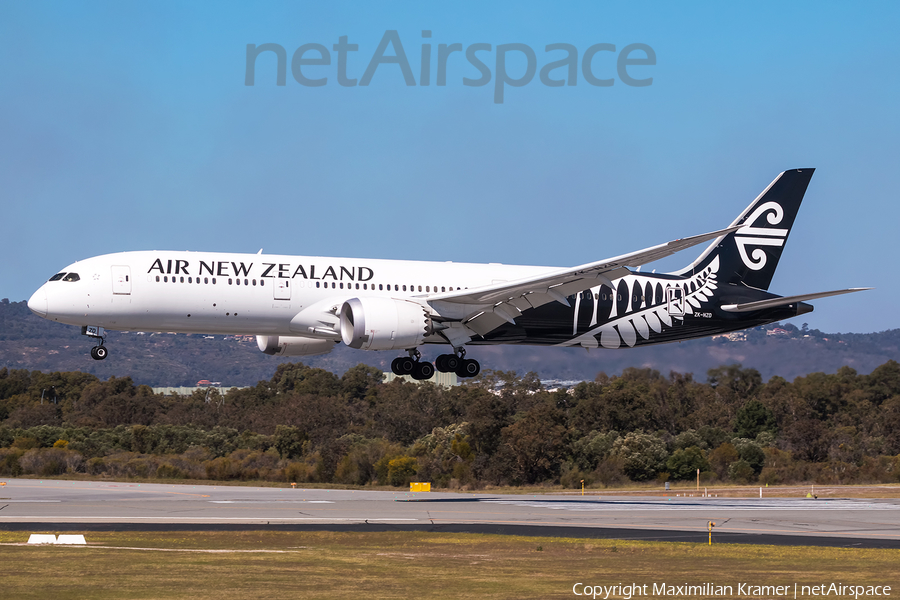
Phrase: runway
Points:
(29, 504)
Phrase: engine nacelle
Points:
(283, 345)
(383, 324)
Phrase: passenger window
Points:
(357, 286)
(254, 282)
(317, 284)
(157, 278)
(404, 288)
(442, 289)
(57, 277)
(189, 280)
(427, 288)
(245, 282)
(342, 285)
(182, 280)
(262, 282)
(166, 279)
(229, 281)
(206, 280)
(379, 287)
(72, 277)
(214, 281)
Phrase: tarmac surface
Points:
(35, 505)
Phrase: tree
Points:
(683, 464)
(533, 447)
(289, 441)
(753, 418)
(644, 455)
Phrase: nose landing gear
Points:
(98, 352)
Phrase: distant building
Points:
(446, 380)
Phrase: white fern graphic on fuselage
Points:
(654, 311)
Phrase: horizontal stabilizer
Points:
(775, 302)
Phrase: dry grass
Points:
(403, 565)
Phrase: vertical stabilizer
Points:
(750, 255)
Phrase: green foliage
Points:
(683, 463)
(306, 425)
(644, 455)
(289, 441)
(401, 470)
(752, 419)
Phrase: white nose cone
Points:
(38, 302)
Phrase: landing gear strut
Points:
(98, 352)
(413, 365)
(458, 363)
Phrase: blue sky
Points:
(127, 126)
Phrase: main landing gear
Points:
(458, 363)
(98, 352)
(445, 363)
(413, 365)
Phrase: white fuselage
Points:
(259, 294)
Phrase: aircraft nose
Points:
(38, 302)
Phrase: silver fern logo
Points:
(649, 317)
(760, 236)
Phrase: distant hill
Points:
(161, 359)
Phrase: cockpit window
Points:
(71, 277)
(57, 277)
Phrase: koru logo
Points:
(749, 235)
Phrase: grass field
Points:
(226, 565)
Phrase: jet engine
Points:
(383, 324)
(282, 345)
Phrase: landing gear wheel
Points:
(402, 365)
(447, 363)
(395, 366)
(405, 366)
(99, 352)
(452, 363)
(422, 371)
(468, 368)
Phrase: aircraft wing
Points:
(506, 300)
(774, 302)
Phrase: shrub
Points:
(644, 455)
(9, 461)
(683, 464)
(741, 472)
(401, 470)
(167, 471)
(50, 461)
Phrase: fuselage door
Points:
(282, 289)
(675, 299)
(121, 280)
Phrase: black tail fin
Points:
(750, 255)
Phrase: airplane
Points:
(305, 306)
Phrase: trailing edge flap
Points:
(775, 302)
(562, 282)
